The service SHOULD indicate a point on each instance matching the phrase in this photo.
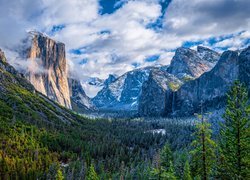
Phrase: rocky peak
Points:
(123, 92)
(48, 68)
(210, 88)
(208, 54)
(188, 62)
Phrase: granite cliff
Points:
(47, 69)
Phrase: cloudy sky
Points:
(115, 36)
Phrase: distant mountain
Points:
(123, 92)
(94, 81)
(209, 89)
(79, 100)
(186, 65)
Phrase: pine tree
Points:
(166, 157)
(187, 174)
(235, 135)
(59, 175)
(203, 153)
(165, 169)
(92, 175)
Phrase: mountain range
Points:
(193, 79)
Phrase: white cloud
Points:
(126, 39)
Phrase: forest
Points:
(95, 149)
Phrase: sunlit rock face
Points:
(47, 69)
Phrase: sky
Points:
(105, 37)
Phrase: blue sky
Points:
(105, 37)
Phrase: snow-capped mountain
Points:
(123, 92)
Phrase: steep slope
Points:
(48, 68)
(25, 103)
(186, 65)
(244, 67)
(123, 93)
(79, 100)
(209, 90)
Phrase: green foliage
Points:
(166, 157)
(235, 135)
(203, 150)
(164, 169)
(92, 175)
(59, 175)
(173, 86)
(21, 154)
(187, 173)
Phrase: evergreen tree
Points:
(59, 175)
(235, 135)
(203, 152)
(166, 157)
(92, 175)
(165, 169)
(187, 174)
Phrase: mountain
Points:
(210, 89)
(123, 92)
(79, 100)
(186, 65)
(48, 68)
(152, 98)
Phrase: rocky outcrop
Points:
(79, 100)
(48, 68)
(209, 90)
(186, 65)
(2, 56)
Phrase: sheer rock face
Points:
(186, 65)
(48, 69)
(209, 89)
(80, 101)
(154, 93)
